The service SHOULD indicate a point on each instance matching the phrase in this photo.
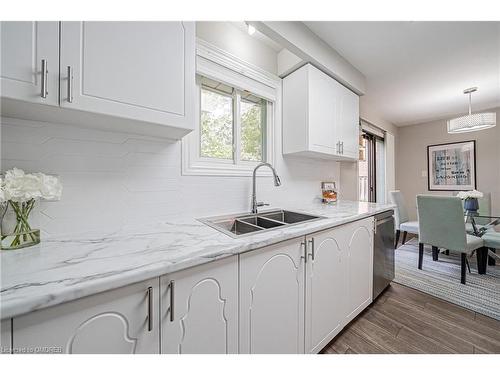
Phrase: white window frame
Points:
(216, 64)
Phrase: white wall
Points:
(114, 179)
(411, 160)
(230, 38)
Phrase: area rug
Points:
(442, 279)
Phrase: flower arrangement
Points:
(471, 204)
(20, 191)
(471, 194)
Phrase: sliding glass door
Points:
(371, 168)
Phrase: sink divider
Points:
(244, 221)
(249, 224)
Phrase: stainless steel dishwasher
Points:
(383, 252)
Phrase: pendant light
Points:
(472, 122)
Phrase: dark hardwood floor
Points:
(404, 320)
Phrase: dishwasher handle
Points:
(380, 222)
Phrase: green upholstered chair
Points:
(441, 225)
(402, 221)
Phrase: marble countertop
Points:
(64, 269)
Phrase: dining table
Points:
(482, 224)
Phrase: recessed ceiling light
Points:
(473, 121)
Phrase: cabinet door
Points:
(359, 266)
(124, 320)
(5, 336)
(348, 122)
(323, 109)
(137, 70)
(24, 45)
(272, 299)
(325, 288)
(199, 309)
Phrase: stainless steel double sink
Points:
(245, 224)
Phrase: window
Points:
(236, 109)
(232, 123)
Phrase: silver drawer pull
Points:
(70, 84)
(304, 256)
(172, 284)
(313, 253)
(150, 309)
(45, 73)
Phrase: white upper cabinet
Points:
(272, 299)
(348, 122)
(320, 116)
(26, 48)
(137, 70)
(121, 321)
(199, 309)
(136, 77)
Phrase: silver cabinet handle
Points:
(311, 241)
(150, 309)
(304, 254)
(70, 84)
(45, 73)
(172, 284)
(342, 148)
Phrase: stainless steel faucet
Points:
(277, 182)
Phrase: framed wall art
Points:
(451, 166)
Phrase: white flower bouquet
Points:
(464, 195)
(471, 204)
(20, 191)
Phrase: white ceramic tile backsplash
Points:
(114, 179)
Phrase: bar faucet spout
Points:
(277, 182)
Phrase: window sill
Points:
(228, 170)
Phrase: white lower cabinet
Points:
(199, 309)
(338, 280)
(359, 266)
(325, 288)
(290, 297)
(5, 336)
(123, 320)
(272, 299)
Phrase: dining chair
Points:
(441, 225)
(402, 221)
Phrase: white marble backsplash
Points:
(112, 180)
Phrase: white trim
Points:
(227, 60)
(214, 63)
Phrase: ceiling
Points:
(416, 71)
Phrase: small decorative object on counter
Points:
(19, 192)
(328, 192)
(471, 204)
